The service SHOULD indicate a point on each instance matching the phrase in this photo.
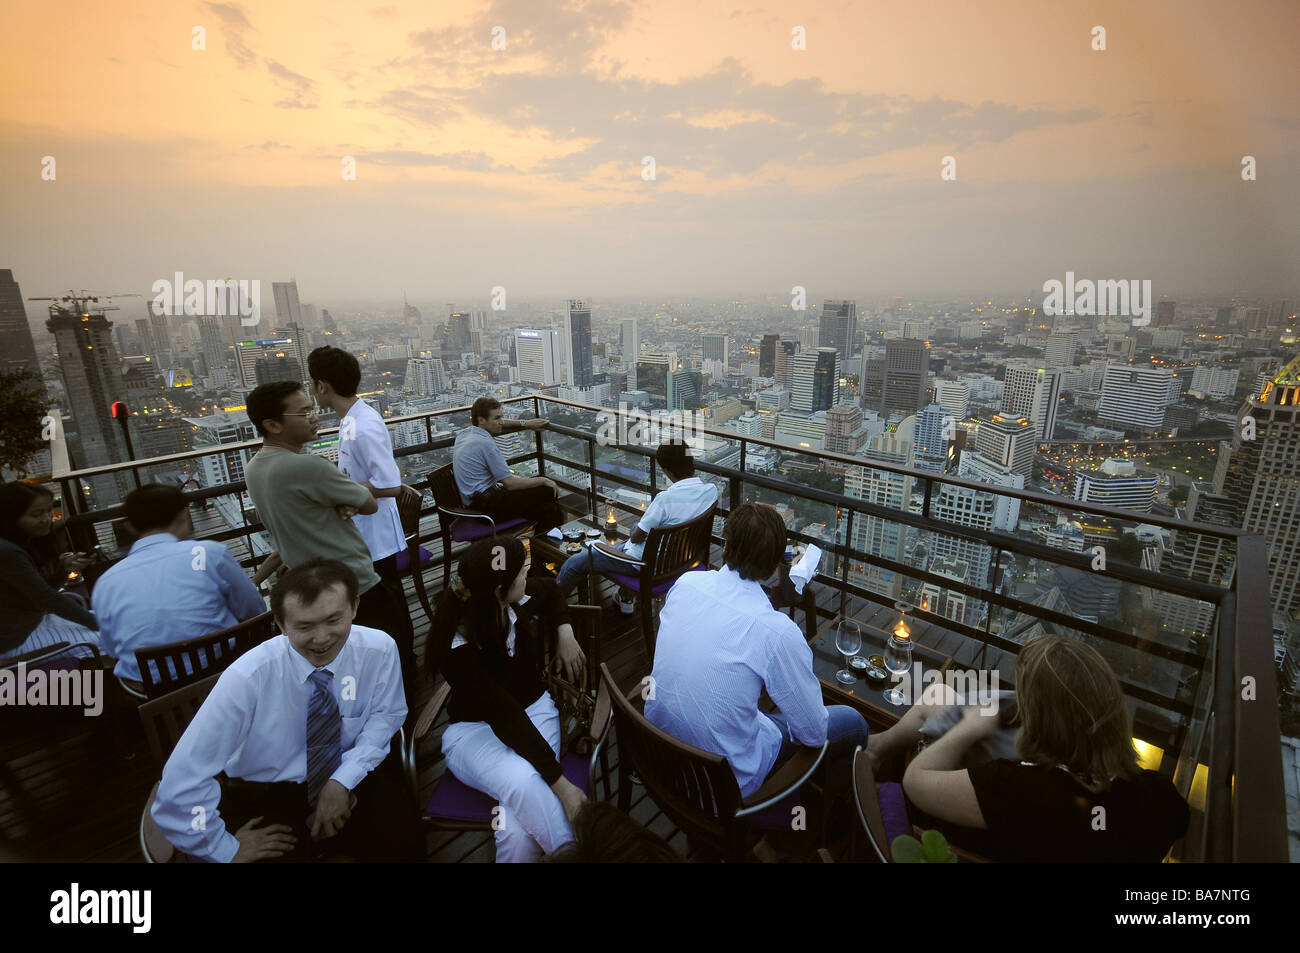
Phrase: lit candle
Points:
(611, 520)
(901, 631)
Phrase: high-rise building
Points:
(219, 429)
(815, 380)
(1116, 484)
(713, 347)
(278, 357)
(955, 396)
(1276, 314)
(897, 382)
(783, 360)
(17, 349)
(934, 424)
(1222, 318)
(684, 389)
(839, 327)
(1010, 441)
(1253, 319)
(767, 355)
(288, 309)
(844, 430)
(1260, 479)
(410, 313)
(1060, 349)
(92, 381)
(1032, 391)
(577, 337)
(876, 535)
(537, 356)
(652, 377)
(1135, 397)
(1217, 382)
(1165, 313)
(212, 342)
(456, 335)
(162, 335)
(426, 377)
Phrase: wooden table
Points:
(549, 554)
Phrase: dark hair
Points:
(482, 408)
(16, 499)
(266, 402)
(309, 580)
(485, 623)
(154, 506)
(674, 458)
(605, 835)
(754, 540)
(336, 367)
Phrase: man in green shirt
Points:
(307, 506)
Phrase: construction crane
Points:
(81, 303)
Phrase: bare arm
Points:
(933, 780)
(525, 483)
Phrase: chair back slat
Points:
(672, 550)
(696, 789)
(409, 513)
(163, 668)
(166, 718)
(442, 482)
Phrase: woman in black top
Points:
(1078, 793)
(486, 638)
(33, 614)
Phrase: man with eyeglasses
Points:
(307, 506)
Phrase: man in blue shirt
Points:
(721, 644)
(169, 587)
(686, 497)
(296, 734)
(485, 481)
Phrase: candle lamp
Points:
(611, 527)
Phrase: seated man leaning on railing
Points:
(1078, 794)
(721, 644)
(686, 497)
(169, 587)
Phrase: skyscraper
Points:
(839, 326)
(426, 376)
(767, 355)
(577, 337)
(212, 343)
(1165, 313)
(930, 445)
(162, 335)
(815, 380)
(1033, 391)
(1135, 397)
(537, 356)
(875, 535)
(684, 388)
(288, 309)
(713, 347)
(1060, 349)
(652, 377)
(784, 358)
(844, 431)
(17, 349)
(280, 358)
(456, 336)
(1010, 441)
(897, 383)
(92, 380)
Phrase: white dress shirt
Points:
(720, 644)
(253, 726)
(366, 456)
(679, 503)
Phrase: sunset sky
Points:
(774, 167)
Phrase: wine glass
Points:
(898, 660)
(848, 640)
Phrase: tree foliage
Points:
(22, 410)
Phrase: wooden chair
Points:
(410, 515)
(584, 721)
(697, 789)
(165, 720)
(670, 552)
(460, 524)
(205, 655)
(872, 827)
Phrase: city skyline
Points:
(522, 168)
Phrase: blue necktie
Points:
(324, 731)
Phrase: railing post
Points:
(591, 478)
(844, 565)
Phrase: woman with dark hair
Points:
(33, 614)
(1077, 794)
(504, 738)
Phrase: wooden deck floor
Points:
(72, 787)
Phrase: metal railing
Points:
(1227, 739)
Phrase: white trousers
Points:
(52, 629)
(532, 821)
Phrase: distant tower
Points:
(17, 349)
(410, 313)
(577, 339)
(839, 326)
(767, 355)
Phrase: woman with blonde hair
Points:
(1077, 794)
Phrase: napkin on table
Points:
(802, 571)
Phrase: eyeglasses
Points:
(314, 412)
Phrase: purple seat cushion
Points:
(778, 816)
(404, 558)
(893, 810)
(463, 530)
(454, 800)
(634, 583)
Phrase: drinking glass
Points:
(898, 660)
(848, 640)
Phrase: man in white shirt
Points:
(169, 587)
(721, 644)
(366, 456)
(686, 497)
(295, 733)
